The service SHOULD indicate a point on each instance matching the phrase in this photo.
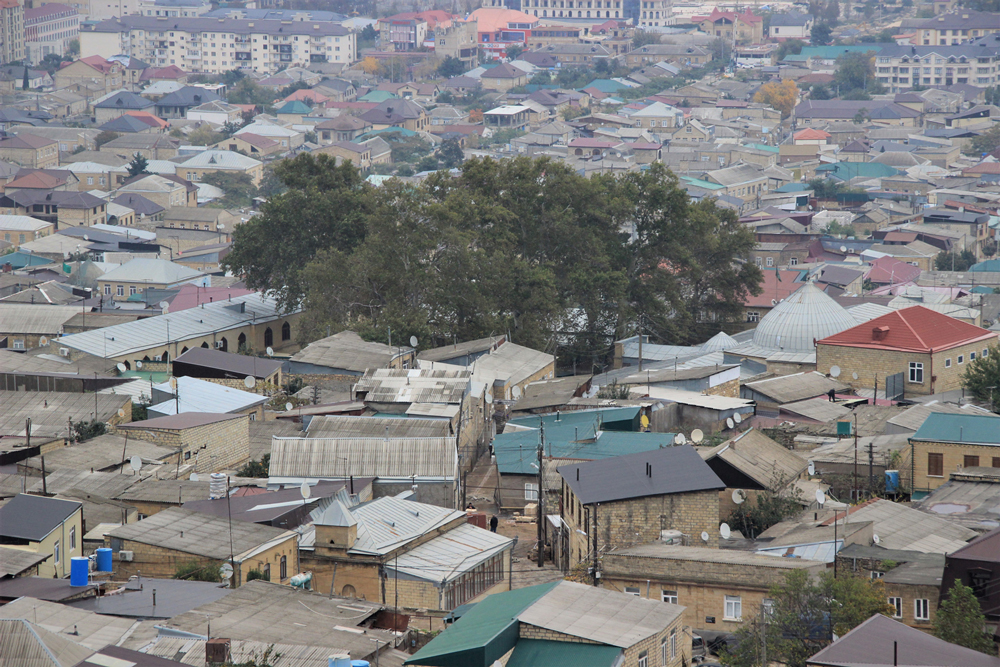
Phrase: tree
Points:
(960, 620)
(138, 165)
(644, 37)
(831, 12)
(762, 511)
(195, 571)
(862, 116)
(74, 47)
(819, 92)
(986, 142)
(367, 37)
(427, 163)
(256, 468)
(203, 135)
(451, 66)
(451, 153)
(514, 51)
(781, 96)
(721, 49)
(820, 34)
(238, 188)
(954, 261)
(84, 430)
(541, 78)
(856, 72)
(790, 47)
(803, 615)
(24, 83)
(103, 138)
(981, 378)
(370, 65)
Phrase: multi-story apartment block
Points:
(410, 31)
(899, 68)
(216, 45)
(747, 28)
(578, 9)
(654, 13)
(457, 39)
(956, 27)
(11, 31)
(174, 8)
(49, 29)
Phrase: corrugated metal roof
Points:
(27, 645)
(329, 458)
(451, 555)
(797, 387)
(706, 555)
(335, 426)
(388, 385)
(908, 529)
(34, 319)
(534, 652)
(817, 409)
(760, 458)
(346, 350)
(388, 523)
(194, 395)
(221, 160)
(974, 429)
(512, 363)
(106, 484)
(131, 337)
(913, 418)
(91, 630)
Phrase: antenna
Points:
(854, 375)
(288, 407)
(413, 341)
(135, 463)
(270, 351)
(738, 418)
(876, 539)
(679, 439)
(704, 536)
(138, 364)
(697, 436)
(304, 490)
(820, 497)
(724, 531)
(835, 371)
(121, 413)
(516, 392)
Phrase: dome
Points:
(720, 341)
(806, 316)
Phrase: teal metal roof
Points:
(848, 170)
(296, 107)
(764, 147)
(581, 435)
(697, 182)
(793, 187)
(483, 635)
(377, 96)
(973, 429)
(536, 652)
(606, 85)
(834, 52)
(982, 289)
(988, 265)
(19, 260)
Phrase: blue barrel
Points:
(104, 560)
(79, 571)
(360, 663)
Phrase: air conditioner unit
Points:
(126, 556)
(63, 351)
(158, 358)
(219, 345)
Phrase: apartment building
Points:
(900, 68)
(579, 9)
(457, 39)
(956, 27)
(174, 8)
(49, 29)
(216, 45)
(11, 31)
(654, 13)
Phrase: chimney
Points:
(880, 333)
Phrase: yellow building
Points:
(29, 150)
(44, 526)
(947, 443)
(138, 275)
(216, 161)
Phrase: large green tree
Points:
(960, 620)
(981, 378)
(855, 75)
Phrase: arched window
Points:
(241, 342)
(286, 331)
(268, 337)
(205, 345)
(184, 349)
(284, 568)
(225, 344)
(165, 357)
(349, 592)
(146, 358)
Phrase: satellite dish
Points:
(724, 531)
(136, 463)
(812, 468)
(164, 305)
(43, 341)
(843, 248)
(249, 382)
(288, 407)
(413, 341)
(679, 439)
(854, 375)
(738, 497)
(516, 392)
(697, 436)
(173, 383)
(65, 255)
(120, 367)
(835, 371)
(489, 397)
(138, 364)
(121, 413)
(304, 490)
(738, 418)
(193, 477)
(270, 351)
(820, 497)
(876, 539)
(729, 422)
(226, 570)
(86, 237)
(704, 536)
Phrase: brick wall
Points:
(954, 458)
(224, 445)
(263, 387)
(730, 388)
(528, 631)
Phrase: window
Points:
(131, 289)
(961, 360)
(935, 465)
(996, 461)
(921, 610)
(897, 605)
(531, 491)
(917, 372)
(120, 291)
(986, 352)
(673, 643)
(286, 331)
(947, 363)
(644, 659)
(753, 316)
(877, 575)
(970, 461)
(767, 607)
(56, 553)
(72, 538)
(734, 608)
(632, 590)
(759, 261)
(664, 649)
(669, 596)
(770, 261)
(19, 344)
(972, 356)
(794, 261)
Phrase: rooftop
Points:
(960, 428)
(346, 350)
(337, 458)
(196, 396)
(233, 365)
(914, 329)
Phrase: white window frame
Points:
(55, 553)
(770, 261)
(644, 659)
(632, 590)
(986, 351)
(663, 651)
(767, 607)
(733, 610)
(916, 375)
(961, 359)
(673, 643)
(670, 597)
(72, 538)
(921, 610)
(530, 491)
(897, 604)
(877, 575)
(972, 356)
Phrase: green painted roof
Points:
(834, 52)
(484, 634)
(536, 652)
(377, 96)
(848, 170)
(981, 289)
(294, 106)
(988, 265)
(973, 429)
(699, 183)
(573, 437)
(605, 85)
(764, 147)
(793, 187)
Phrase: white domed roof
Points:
(805, 316)
(720, 341)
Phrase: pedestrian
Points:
(494, 522)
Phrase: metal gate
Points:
(894, 387)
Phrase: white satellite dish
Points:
(679, 439)
(724, 531)
(843, 248)
(304, 490)
(413, 341)
(854, 375)
(136, 463)
(164, 305)
(704, 536)
(226, 570)
(270, 351)
(121, 413)
(65, 255)
(489, 397)
(729, 422)
(820, 497)
(738, 418)
(835, 371)
(812, 468)
(516, 392)
(120, 367)
(138, 364)
(173, 383)
(249, 382)
(43, 341)
(86, 237)
(738, 497)
(876, 539)
(697, 436)
(193, 477)
(288, 407)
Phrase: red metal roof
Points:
(810, 133)
(773, 288)
(888, 270)
(914, 329)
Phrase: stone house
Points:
(912, 579)
(928, 348)
(637, 498)
(30, 151)
(503, 77)
(359, 154)
(207, 441)
(160, 544)
(93, 72)
(947, 443)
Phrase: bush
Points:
(195, 571)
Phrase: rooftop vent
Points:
(880, 333)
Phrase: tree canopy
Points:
(855, 76)
(781, 96)
(981, 377)
(960, 620)
(522, 246)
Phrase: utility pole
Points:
(871, 469)
(640, 342)
(541, 503)
(595, 545)
(854, 483)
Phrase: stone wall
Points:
(730, 388)
(953, 455)
(222, 445)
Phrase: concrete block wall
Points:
(730, 388)
(223, 445)
(953, 455)
(528, 631)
